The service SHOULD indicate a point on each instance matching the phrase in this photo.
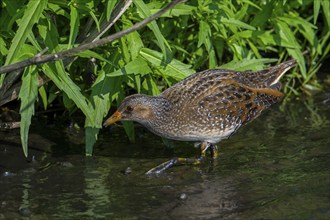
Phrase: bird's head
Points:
(139, 108)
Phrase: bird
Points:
(206, 107)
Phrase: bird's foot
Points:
(181, 161)
(175, 161)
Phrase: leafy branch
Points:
(40, 58)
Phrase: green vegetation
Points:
(193, 36)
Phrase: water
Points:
(277, 167)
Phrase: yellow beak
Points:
(113, 118)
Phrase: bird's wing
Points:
(195, 85)
(220, 93)
(234, 101)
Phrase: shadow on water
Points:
(276, 167)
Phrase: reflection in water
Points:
(96, 189)
(25, 204)
(210, 197)
(277, 167)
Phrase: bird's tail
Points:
(280, 70)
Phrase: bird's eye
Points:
(129, 108)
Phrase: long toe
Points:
(175, 161)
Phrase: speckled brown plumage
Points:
(207, 106)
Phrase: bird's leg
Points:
(175, 161)
(204, 147)
(212, 147)
(214, 151)
(181, 161)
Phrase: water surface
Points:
(277, 167)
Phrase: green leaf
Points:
(264, 14)
(89, 9)
(302, 25)
(48, 31)
(203, 33)
(150, 85)
(27, 95)
(179, 10)
(92, 54)
(128, 125)
(11, 6)
(295, 51)
(326, 11)
(68, 103)
(174, 68)
(252, 4)
(247, 64)
(99, 100)
(133, 40)
(145, 12)
(316, 7)
(74, 25)
(130, 130)
(110, 5)
(254, 49)
(297, 55)
(137, 66)
(43, 95)
(91, 135)
(3, 49)
(137, 80)
(31, 15)
(324, 45)
(58, 75)
(125, 52)
(59, 7)
(113, 83)
(237, 23)
(34, 42)
(286, 35)
(27, 51)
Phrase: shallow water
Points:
(277, 167)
